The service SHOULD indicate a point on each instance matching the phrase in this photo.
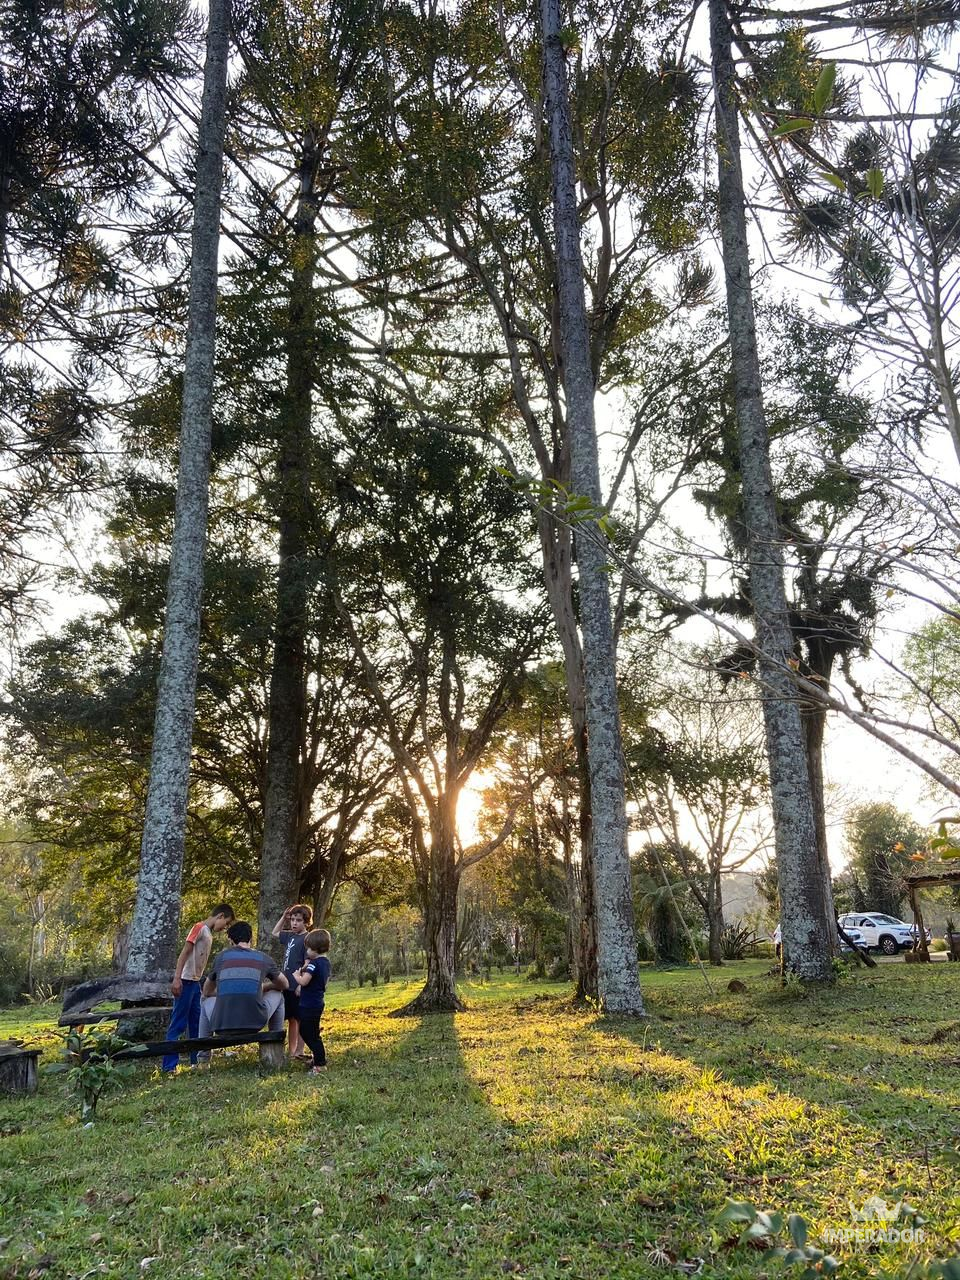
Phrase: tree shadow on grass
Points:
(780, 1085)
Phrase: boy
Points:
(244, 990)
(291, 929)
(312, 978)
(185, 986)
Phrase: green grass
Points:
(525, 1136)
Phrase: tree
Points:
(456, 166)
(78, 132)
(664, 875)
(156, 917)
(880, 840)
(871, 189)
(932, 660)
(298, 78)
(840, 526)
(426, 565)
(618, 982)
(705, 766)
(808, 929)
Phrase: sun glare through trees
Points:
(480, 667)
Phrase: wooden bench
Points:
(80, 1001)
(270, 1042)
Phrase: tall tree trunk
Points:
(814, 721)
(805, 923)
(572, 876)
(618, 981)
(323, 898)
(714, 918)
(280, 858)
(556, 546)
(439, 884)
(156, 918)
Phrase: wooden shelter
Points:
(928, 880)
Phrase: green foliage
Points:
(661, 906)
(882, 841)
(91, 1069)
(758, 1228)
(78, 218)
(823, 91)
(932, 658)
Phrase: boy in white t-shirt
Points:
(185, 1016)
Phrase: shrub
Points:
(938, 944)
(91, 1066)
(645, 950)
(736, 940)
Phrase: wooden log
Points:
(18, 1071)
(272, 1056)
(87, 995)
(861, 953)
(106, 1015)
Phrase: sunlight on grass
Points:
(526, 1133)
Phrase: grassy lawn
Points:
(524, 1137)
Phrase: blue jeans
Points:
(185, 1017)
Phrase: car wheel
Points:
(888, 945)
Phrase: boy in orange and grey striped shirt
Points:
(185, 1016)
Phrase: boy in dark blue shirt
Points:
(292, 929)
(312, 978)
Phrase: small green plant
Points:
(951, 927)
(736, 940)
(42, 993)
(90, 1067)
(757, 1228)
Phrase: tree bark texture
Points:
(714, 917)
(618, 980)
(805, 923)
(439, 884)
(813, 719)
(284, 800)
(556, 545)
(156, 919)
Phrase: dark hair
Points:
(222, 909)
(301, 909)
(240, 932)
(317, 940)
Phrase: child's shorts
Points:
(291, 1005)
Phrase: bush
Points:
(645, 952)
(736, 940)
(558, 969)
(937, 944)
